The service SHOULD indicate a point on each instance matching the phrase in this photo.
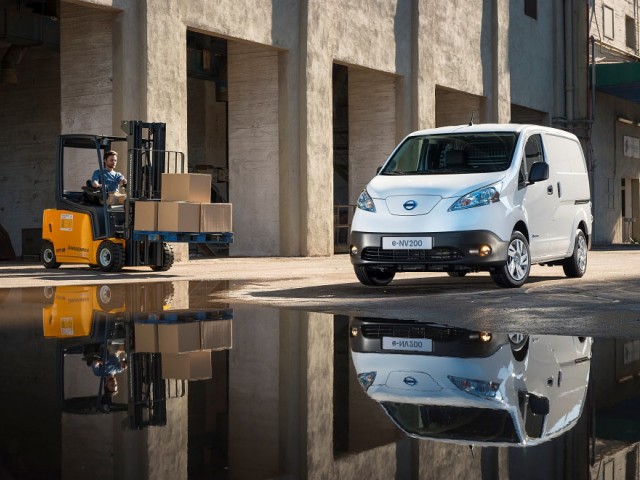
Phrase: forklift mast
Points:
(145, 157)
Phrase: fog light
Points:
(481, 336)
(484, 250)
(354, 331)
(353, 249)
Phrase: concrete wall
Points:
(531, 55)
(372, 132)
(86, 69)
(618, 36)
(29, 124)
(253, 149)
(611, 165)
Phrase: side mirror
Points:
(378, 170)
(539, 172)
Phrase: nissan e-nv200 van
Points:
(487, 197)
(444, 383)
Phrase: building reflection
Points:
(284, 401)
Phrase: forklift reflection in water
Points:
(87, 228)
(95, 333)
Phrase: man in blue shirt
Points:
(112, 179)
(112, 366)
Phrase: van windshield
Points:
(455, 153)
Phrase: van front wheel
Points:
(372, 276)
(576, 265)
(516, 271)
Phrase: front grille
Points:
(411, 331)
(411, 256)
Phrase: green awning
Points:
(619, 79)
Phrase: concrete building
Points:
(613, 104)
(291, 105)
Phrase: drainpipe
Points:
(568, 61)
(9, 64)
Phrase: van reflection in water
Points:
(477, 388)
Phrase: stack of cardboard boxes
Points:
(184, 206)
(185, 346)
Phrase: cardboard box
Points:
(116, 198)
(179, 337)
(187, 366)
(146, 216)
(215, 335)
(186, 187)
(178, 217)
(215, 217)
(146, 337)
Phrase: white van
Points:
(454, 385)
(487, 197)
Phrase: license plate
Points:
(407, 344)
(410, 243)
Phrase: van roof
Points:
(491, 127)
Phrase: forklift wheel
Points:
(167, 259)
(110, 256)
(48, 255)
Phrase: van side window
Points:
(532, 153)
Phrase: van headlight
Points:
(365, 202)
(478, 388)
(477, 198)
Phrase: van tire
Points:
(516, 270)
(575, 266)
(373, 277)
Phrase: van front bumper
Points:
(450, 251)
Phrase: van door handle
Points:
(550, 190)
(559, 191)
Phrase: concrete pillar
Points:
(316, 136)
(289, 124)
(86, 94)
(318, 340)
(150, 73)
(254, 149)
(500, 110)
(423, 78)
(372, 123)
(254, 393)
(166, 69)
(86, 66)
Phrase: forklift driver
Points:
(112, 179)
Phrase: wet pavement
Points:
(260, 374)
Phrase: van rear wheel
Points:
(576, 265)
(516, 271)
(373, 276)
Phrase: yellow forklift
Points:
(85, 229)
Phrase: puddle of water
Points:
(167, 380)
